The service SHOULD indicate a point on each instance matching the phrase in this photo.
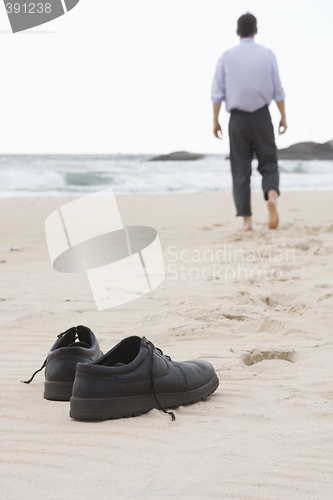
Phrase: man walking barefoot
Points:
(247, 79)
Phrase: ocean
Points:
(71, 175)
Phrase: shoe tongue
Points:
(132, 338)
(83, 334)
(67, 337)
(79, 333)
(79, 344)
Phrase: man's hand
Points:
(217, 129)
(283, 125)
(283, 121)
(217, 126)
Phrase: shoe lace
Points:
(43, 365)
(151, 350)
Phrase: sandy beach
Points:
(257, 305)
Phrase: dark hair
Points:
(246, 25)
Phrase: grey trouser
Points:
(249, 133)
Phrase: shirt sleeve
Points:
(218, 87)
(278, 92)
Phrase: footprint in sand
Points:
(323, 251)
(324, 297)
(257, 355)
(268, 301)
(304, 245)
(238, 317)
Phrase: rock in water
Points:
(178, 156)
(307, 151)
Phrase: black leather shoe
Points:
(135, 377)
(78, 344)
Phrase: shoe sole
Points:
(58, 391)
(111, 408)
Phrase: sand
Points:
(257, 305)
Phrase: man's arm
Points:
(217, 126)
(218, 95)
(278, 94)
(283, 121)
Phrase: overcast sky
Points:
(130, 76)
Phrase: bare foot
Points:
(247, 226)
(273, 218)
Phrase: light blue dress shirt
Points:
(247, 77)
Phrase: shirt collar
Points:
(247, 40)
